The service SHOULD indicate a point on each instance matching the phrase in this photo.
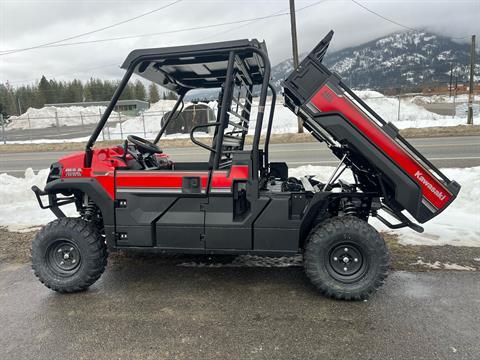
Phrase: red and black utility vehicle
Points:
(134, 197)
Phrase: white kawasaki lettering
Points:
(429, 186)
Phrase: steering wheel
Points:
(144, 146)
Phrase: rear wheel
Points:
(69, 255)
(346, 258)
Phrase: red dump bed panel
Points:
(433, 190)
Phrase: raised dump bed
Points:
(369, 145)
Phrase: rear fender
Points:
(323, 206)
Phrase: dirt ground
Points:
(15, 248)
(461, 130)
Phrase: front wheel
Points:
(346, 258)
(68, 255)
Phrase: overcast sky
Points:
(26, 23)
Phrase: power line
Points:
(157, 33)
(49, 44)
(233, 28)
(275, 14)
(202, 27)
(64, 74)
(244, 22)
(396, 22)
(383, 17)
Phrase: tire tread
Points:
(327, 229)
(96, 253)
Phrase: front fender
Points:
(92, 188)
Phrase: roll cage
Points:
(239, 68)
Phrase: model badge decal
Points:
(73, 172)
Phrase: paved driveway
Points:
(155, 309)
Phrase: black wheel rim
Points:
(63, 257)
(346, 262)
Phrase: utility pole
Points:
(293, 27)
(3, 129)
(19, 107)
(455, 95)
(451, 78)
(471, 85)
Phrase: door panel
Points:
(221, 231)
(154, 210)
(181, 226)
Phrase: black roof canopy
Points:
(181, 68)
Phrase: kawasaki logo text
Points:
(433, 189)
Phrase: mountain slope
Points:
(405, 60)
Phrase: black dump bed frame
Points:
(373, 148)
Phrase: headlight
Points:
(55, 172)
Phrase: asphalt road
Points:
(155, 310)
(61, 132)
(443, 152)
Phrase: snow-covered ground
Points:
(430, 99)
(458, 225)
(19, 208)
(412, 115)
(47, 117)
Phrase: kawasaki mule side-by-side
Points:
(133, 196)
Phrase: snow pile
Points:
(47, 141)
(47, 117)
(458, 225)
(462, 110)
(430, 99)
(437, 265)
(285, 121)
(18, 205)
(412, 115)
(149, 124)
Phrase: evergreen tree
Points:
(74, 91)
(171, 95)
(43, 91)
(128, 92)
(49, 91)
(153, 95)
(7, 99)
(139, 90)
